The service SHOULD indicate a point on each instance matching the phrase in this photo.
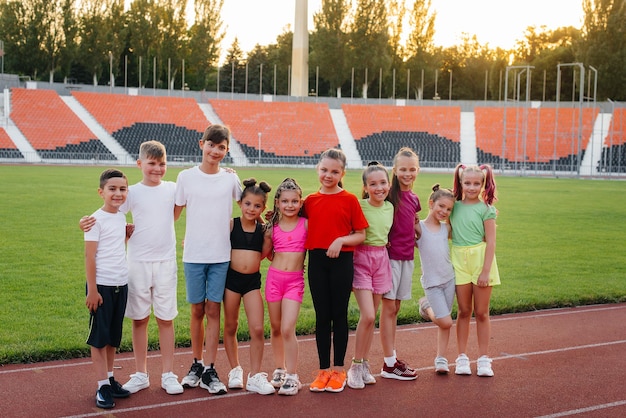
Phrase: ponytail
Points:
(457, 189)
(489, 192)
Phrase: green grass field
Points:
(560, 243)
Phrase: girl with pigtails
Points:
(473, 221)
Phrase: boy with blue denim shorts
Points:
(207, 192)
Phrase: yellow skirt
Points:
(468, 263)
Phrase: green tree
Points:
(205, 37)
(420, 48)
(603, 45)
(279, 59)
(329, 43)
(69, 51)
(24, 28)
(233, 72)
(369, 43)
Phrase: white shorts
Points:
(402, 277)
(152, 284)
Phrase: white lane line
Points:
(506, 317)
(245, 393)
(585, 410)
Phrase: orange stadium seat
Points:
(541, 136)
(434, 132)
(614, 150)
(7, 147)
(176, 122)
(298, 131)
(51, 127)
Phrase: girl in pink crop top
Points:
(289, 241)
(284, 285)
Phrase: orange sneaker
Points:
(320, 382)
(337, 381)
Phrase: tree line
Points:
(357, 49)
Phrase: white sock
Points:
(109, 374)
(390, 361)
(103, 382)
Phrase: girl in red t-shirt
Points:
(336, 226)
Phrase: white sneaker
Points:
(291, 386)
(462, 365)
(355, 376)
(278, 378)
(169, 382)
(484, 367)
(441, 365)
(137, 382)
(368, 377)
(235, 378)
(259, 384)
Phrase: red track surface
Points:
(547, 363)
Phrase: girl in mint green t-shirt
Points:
(473, 221)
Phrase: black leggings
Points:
(330, 282)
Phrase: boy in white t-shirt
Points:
(107, 284)
(152, 266)
(208, 192)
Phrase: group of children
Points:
(365, 247)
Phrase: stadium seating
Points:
(7, 147)
(613, 157)
(295, 132)
(543, 138)
(381, 130)
(176, 122)
(52, 128)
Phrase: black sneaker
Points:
(117, 391)
(192, 379)
(211, 382)
(104, 397)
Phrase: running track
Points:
(552, 363)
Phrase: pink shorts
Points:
(372, 269)
(281, 285)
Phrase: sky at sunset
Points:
(497, 22)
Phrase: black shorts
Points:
(105, 325)
(242, 283)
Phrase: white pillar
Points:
(300, 51)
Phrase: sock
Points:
(390, 361)
(103, 382)
(394, 354)
(109, 374)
